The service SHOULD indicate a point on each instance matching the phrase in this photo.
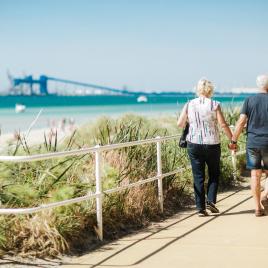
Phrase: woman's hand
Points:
(233, 146)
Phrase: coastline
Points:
(78, 115)
(34, 137)
(36, 134)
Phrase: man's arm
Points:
(239, 127)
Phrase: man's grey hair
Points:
(262, 81)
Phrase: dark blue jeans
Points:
(201, 155)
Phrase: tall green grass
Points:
(73, 227)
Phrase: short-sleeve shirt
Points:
(256, 109)
(203, 125)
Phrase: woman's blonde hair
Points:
(205, 87)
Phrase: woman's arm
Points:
(223, 124)
(183, 117)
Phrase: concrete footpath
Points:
(234, 238)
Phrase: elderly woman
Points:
(203, 144)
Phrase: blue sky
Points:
(146, 45)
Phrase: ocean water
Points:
(53, 116)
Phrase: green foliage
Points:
(231, 114)
(19, 195)
(62, 193)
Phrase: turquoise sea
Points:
(80, 113)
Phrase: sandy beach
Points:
(34, 137)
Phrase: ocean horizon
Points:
(82, 113)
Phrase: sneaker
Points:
(211, 206)
(264, 202)
(202, 213)
(259, 213)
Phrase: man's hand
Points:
(232, 146)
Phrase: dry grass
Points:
(35, 235)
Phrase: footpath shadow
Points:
(175, 239)
(7, 261)
(250, 211)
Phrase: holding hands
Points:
(233, 146)
(238, 129)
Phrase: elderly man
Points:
(255, 113)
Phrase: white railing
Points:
(98, 150)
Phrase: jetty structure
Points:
(51, 91)
(32, 91)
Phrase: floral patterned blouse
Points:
(203, 121)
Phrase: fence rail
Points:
(98, 150)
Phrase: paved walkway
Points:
(235, 238)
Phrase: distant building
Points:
(245, 90)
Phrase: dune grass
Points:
(72, 228)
